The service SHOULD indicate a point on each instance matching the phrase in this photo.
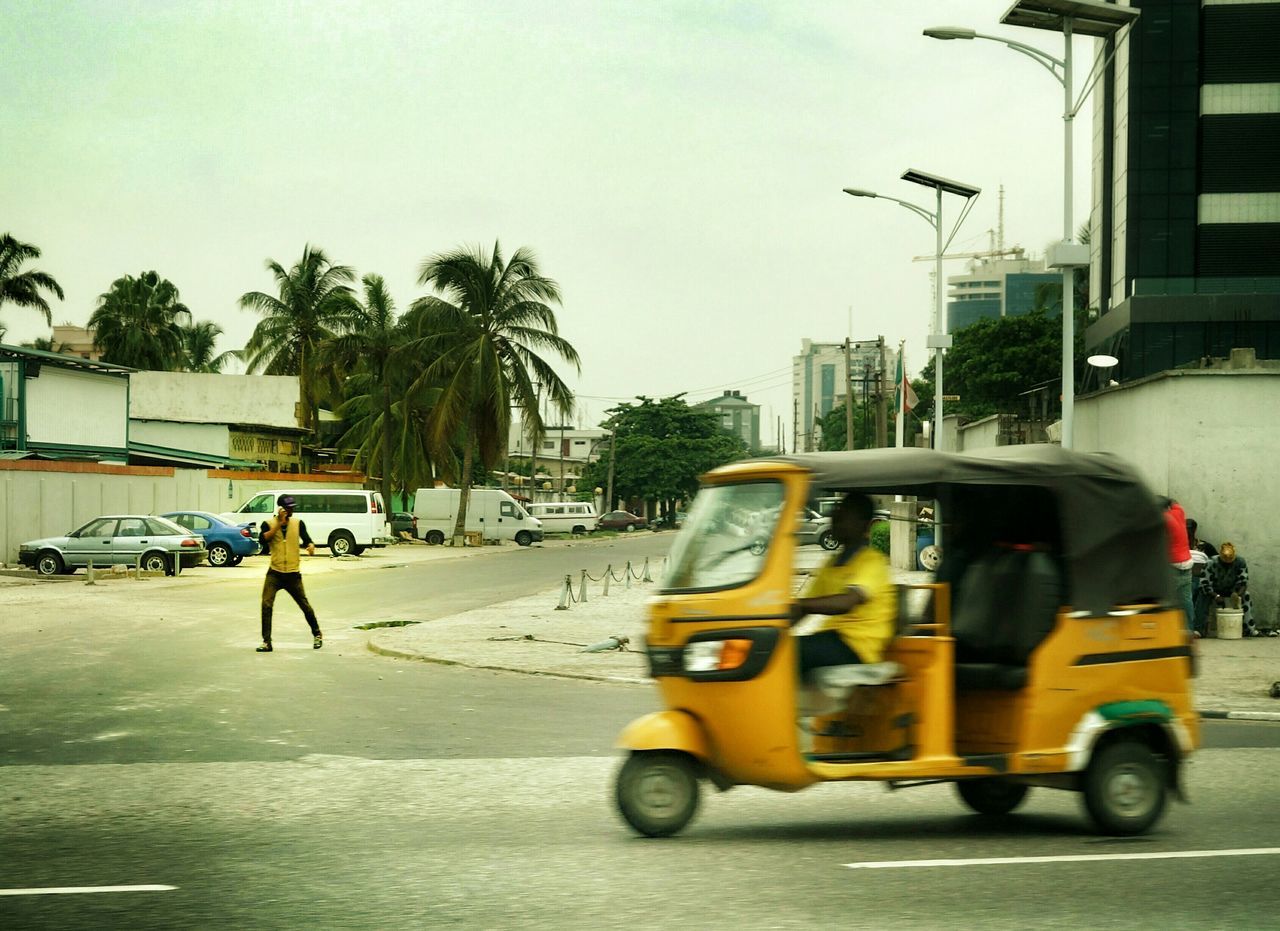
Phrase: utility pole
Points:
(795, 424)
(613, 445)
(882, 413)
(848, 396)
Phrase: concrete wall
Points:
(73, 408)
(211, 438)
(269, 400)
(40, 499)
(1206, 438)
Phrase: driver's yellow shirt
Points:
(868, 628)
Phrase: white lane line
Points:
(80, 890)
(1066, 858)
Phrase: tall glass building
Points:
(1186, 188)
(993, 288)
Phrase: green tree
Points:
(199, 342)
(864, 426)
(481, 336)
(20, 287)
(662, 447)
(370, 347)
(138, 322)
(991, 362)
(314, 303)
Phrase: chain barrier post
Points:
(566, 593)
(88, 574)
(137, 570)
(628, 573)
(582, 588)
(607, 572)
(647, 576)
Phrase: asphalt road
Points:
(339, 789)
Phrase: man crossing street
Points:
(285, 537)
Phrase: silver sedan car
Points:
(153, 542)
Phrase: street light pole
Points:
(1070, 17)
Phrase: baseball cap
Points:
(287, 502)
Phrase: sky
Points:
(677, 167)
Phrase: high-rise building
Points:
(1186, 188)
(994, 288)
(819, 381)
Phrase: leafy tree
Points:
(315, 302)
(47, 345)
(662, 447)
(991, 362)
(480, 337)
(370, 348)
(139, 322)
(23, 288)
(198, 343)
(864, 426)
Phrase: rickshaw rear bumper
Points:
(666, 730)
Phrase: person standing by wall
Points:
(1175, 520)
(1201, 553)
(285, 538)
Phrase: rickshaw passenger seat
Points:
(1007, 608)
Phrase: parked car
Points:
(153, 542)
(226, 542)
(404, 522)
(622, 520)
(812, 527)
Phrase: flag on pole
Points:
(904, 397)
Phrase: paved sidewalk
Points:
(529, 635)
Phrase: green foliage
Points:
(199, 340)
(880, 536)
(139, 323)
(663, 446)
(23, 288)
(864, 427)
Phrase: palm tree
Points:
(198, 343)
(23, 287)
(368, 347)
(138, 323)
(315, 304)
(480, 338)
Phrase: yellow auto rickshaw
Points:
(1047, 650)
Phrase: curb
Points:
(1241, 715)
(423, 658)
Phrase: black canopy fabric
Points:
(1114, 545)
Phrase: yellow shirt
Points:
(868, 628)
(284, 546)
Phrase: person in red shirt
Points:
(1175, 521)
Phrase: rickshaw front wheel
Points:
(657, 791)
(1125, 788)
(991, 796)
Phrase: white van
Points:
(345, 520)
(566, 516)
(490, 511)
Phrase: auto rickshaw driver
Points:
(854, 593)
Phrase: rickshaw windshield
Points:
(725, 538)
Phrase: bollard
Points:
(628, 573)
(608, 571)
(88, 574)
(647, 577)
(137, 570)
(565, 594)
(582, 588)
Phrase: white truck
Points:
(490, 511)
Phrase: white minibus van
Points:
(344, 519)
(490, 511)
(566, 516)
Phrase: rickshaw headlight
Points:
(713, 655)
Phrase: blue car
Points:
(227, 543)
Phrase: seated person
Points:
(1228, 574)
(854, 593)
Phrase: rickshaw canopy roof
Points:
(1115, 548)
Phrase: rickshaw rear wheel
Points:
(1125, 788)
(991, 796)
(657, 791)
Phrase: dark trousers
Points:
(290, 582)
(825, 648)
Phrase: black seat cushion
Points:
(980, 677)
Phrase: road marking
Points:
(1066, 858)
(79, 890)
